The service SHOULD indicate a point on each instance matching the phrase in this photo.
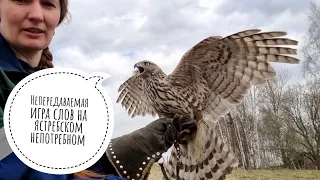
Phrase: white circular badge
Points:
(59, 120)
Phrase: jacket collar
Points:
(10, 62)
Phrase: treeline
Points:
(278, 124)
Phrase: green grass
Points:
(278, 174)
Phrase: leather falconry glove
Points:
(133, 155)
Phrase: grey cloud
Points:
(106, 26)
(268, 8)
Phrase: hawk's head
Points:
(147, 68)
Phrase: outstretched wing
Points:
(132, 98)
(218, 72)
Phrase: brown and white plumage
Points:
(213, 75)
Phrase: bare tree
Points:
(311, 47)
(302, 108)
(273, 127)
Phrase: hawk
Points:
(212, 76)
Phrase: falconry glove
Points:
(133, 155)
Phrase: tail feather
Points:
(204, 157)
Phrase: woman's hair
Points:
(46, 59)
(46, 56)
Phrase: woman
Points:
(27, 28)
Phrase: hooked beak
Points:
(141, 69)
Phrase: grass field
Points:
(282, 174)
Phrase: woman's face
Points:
(29, 24)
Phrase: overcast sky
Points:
(111, 36)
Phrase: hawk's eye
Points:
(147, 63)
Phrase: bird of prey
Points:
(212, 76)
